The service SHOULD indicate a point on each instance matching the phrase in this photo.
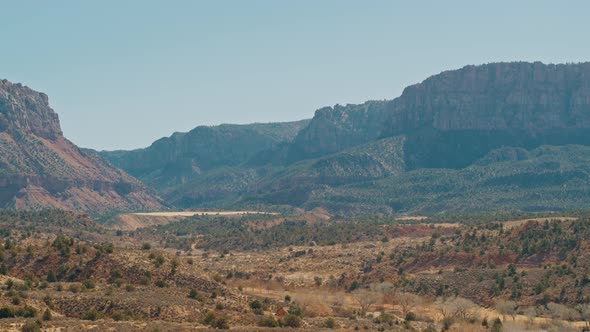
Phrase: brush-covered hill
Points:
(549, 178)
(40, 168)
(181, 157)
(494, 136)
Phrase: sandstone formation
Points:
(39, 167)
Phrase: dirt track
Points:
(193, 213)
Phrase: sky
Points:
(122, 74)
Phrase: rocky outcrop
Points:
(39, 119)
(454, 118)
(497, 96)
(333, 129)
(40, 168)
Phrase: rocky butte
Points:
(40, 168)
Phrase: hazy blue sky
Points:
(123, 73)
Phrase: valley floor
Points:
(410, 275)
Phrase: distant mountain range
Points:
(40, 168)
(510, 136)
(495, 136)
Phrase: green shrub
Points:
(51, 277)
(497, 325)
(295, 310)
(329, 323)
(119, 282)
(290, 320)
(32, 326)
(89, 283)
(74, 288)
(317, 280)
(47, 315)
(221, 323)
(384, 319)
(255, 305)
(209, 318)
(91, 314)
(215, 321)
(447, 323)
(159, 261)
(49, 301)
(268, 321)
(7, 312)
(26, 312)
(120, 316)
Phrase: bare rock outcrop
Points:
(40, 168)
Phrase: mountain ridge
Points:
(178, 158)
(449, 122)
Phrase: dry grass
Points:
(194, 213)
(517, 223)
(309, 274)
(133, 221)
(410, 218)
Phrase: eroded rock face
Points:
(454, 118)
(40, 168)
(499, 96)
(333, 129)
(525, 104)
(25, 110)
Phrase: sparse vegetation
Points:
(492, 259)
(290, 320)
(32, 326)
(268, 321)
(91, 314)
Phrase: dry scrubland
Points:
(133, 221)
(525, 275)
